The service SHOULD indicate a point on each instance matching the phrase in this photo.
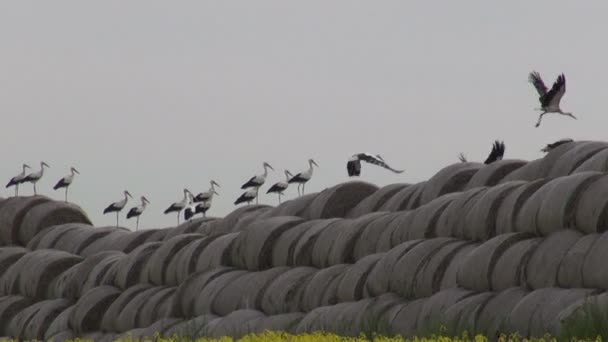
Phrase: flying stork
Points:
(204, 196)
(34, 177)
(497, 153)
(353, 166)
(549, 100)
(117, 207)
(66, 181)
(137, 211)
(280, 186)
(18, 179)
(551, 146)
(179, 206)
(303, 177)
(248, 196)
(258, 181)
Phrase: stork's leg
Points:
(256, 199)
(16, 190)
(303, 185)
(137, 223)
(540, 117)
(279, 198)
(35, 189)
(178, 217)
(117, 219)
(66, 194)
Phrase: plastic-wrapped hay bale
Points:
(375, 201)
(293, 207)
(217, 253)
(574, 157)
(284, 294)
(193, 328)
(188, 227)
(59, 323)
(323, 244)
(492, 174)
(425, 217)
(542, 268)
(49, 214)
(89, 309)
(245, 292)
(452, 178)
(510, 269)
(591, 210)
(32, 322)
(461, 316)
(186, 293)
(397, 232)
(10, 255)
(480, 220)
(127, 319)
(451, 221)
(405, 317)
(149, 332)
(204, 301)
(321, 319)
(529, 172)
(322, 289)
(252, 249)
(450, 276)
(434, 307)
(352, 284)
(12, 212)
(475, 271)
(98, 273)
(160, 258)
(117, 240)
(131, 269)
(367, 242)
(406, 198)
(342, 249)
(184, 263)
(511, 205)
(594, 271)
(379, 278)
(235, 324)
(156, 307)
(597, 162)
(50, 237)
(303, 251)
(108, 320)
(339, 200)
(229, 222)
(284, 248)
(570, 271)
(10, 306)
(283, 322)
(373, 316)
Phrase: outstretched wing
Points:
(353, 167)
(374, 160)
(462, 158)
(538, 83)
(498, 151)
(557, 91)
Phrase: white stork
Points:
(34, 177)
(551, 146)
(258, 181)
(18, 179)
(353, 166)
(137, 211)
(497, 153)
(117, 207)
(549, 100)
(198, 208)
(303, 177)
(248, 196)
(179, 206)
(205, 196)
(66, 181)
(280, 187)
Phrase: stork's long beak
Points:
(317, 165)
(215, 192)
(25, 166)
(128, 194)
(215, 183)
(270, 167)
(45, 164)
(75, 170)
(145, 200)
(574, 117)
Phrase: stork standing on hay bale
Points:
(34, 177)
(204, 206)
(353, 166)
(66, 181)
(137, 211)
(549, 100)
(280, 187)
(258, 180)
(190, 208)
(496, 154)
(179, 206)
(117, 207)
(248, 196)
(18, 179)
(207, 195)
(303, 177)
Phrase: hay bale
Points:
(293, 207)
(217, 253)
(425, 217)
(157, 234)
(108, 321)
(378, 281)
(391, 234)
(188, 227)
(127, 319)
(450, 276)
(543, 265)
(8, 256)
(132, 268)
(597, 162)
(452, 178)
(510, 269)
(194, 328)
(434, 307)
(462, 315)
(476, 269)
(339, 200)
(405, 317)
(591, 210)
(284, 322)
(184, 263)
(49, 237)
(373, 316)
(60, 323)
(106, 267)
(244, 292)
(156, 268)
(155, 307)
(204, 301)
(451, 222)
(367, 243)
(406, 198)
(284, 248)
(529, 172)
(229, 222)
(63, 336)
(595, 274)
(574, 157)
(375, 201)
(303, 251)
(188, 291)
(322, 289)
(117, 239)
(89, 309)
(47, 214)
(492, 174)
(12, 212)
(352, 283)
(235, 324)
(10, 306)
(480, 220)
(511, 205)
(31, 322)
(252, 249)
(570, 271)
(149, 332)
(341, 251)
(284, 294)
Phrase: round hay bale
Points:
(510, 269)
(375, 201)
(65, 335)
(345, 322)
(372, 317)
(116, 239)
(60, 322)
(12, 213)
(294, 207)
(591, 210)
(341, 251)
(597, 162)
(367, 241)
(315, 320)
(187, 227)
(480, 220)
(149, 332)
(403, 274)
(229, 222)
(235, 324)
(49, 237)
(531, 171)
(451, 222)
(70, 240)
(452, 178)
(90, 308)
(393, 230)
(217, 253)
(379, 277)
(127, 319)
(157, 234)
(543, 265)
(339, 200)
(303, 252)
(574, 157)
(450, 276)
(284, 294)
(131, 269)
(252, 249)
(155, 307)
(184, 262)
(156, 266)
(284, 248)
(425, 217)
(594, 272)
(49, 214)
(492, 174)
(549, 160)
(194, 328)
(104, 268)
(352, 283)
(11, 306)
(476, 269)
(570, 271)
(511, 205)
(405, 317)
(404, 199)
(9, 256)
(434, 307)
(284, 322)
(462, 315)
(31, 322)
(108, 321)
(245, 292)
(204, 301)
(322, 289)
(210, 228)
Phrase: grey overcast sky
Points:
(154, 96)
